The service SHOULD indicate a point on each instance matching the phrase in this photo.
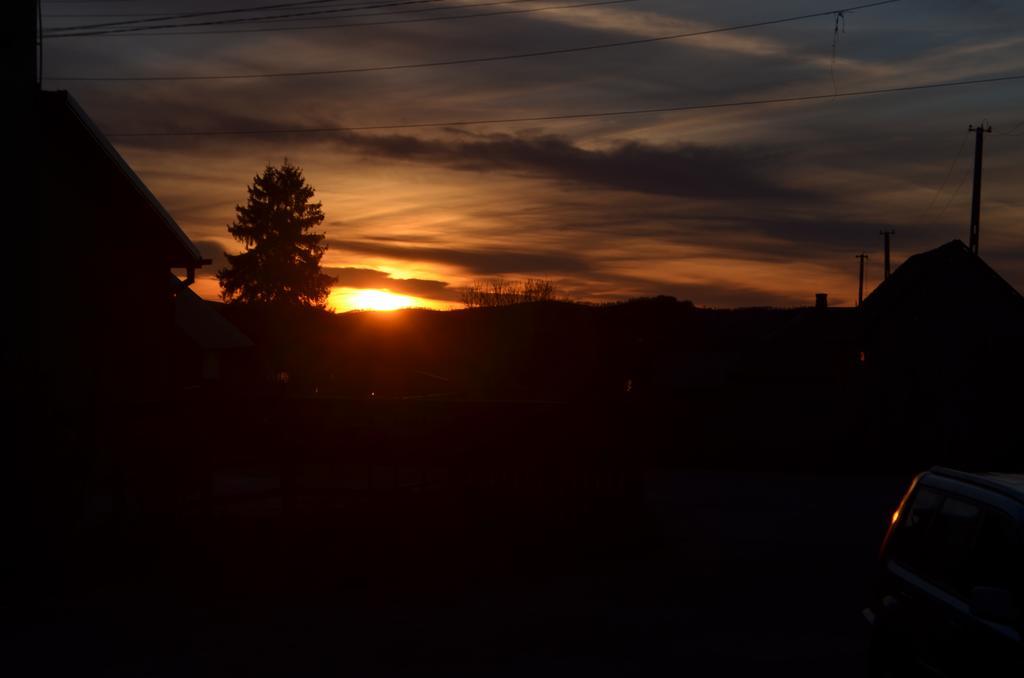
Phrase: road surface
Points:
(739, 574)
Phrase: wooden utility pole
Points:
(979, 140)
(887, 235)
(860, 288)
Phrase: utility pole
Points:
(860, 288)
(979, 141)
(887, 235)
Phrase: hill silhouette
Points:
(800, 387)
(558, 351)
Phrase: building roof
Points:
(201, 323)
(950, 284)
(188, 255)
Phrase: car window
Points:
(997, 559)
(907, 543)
(949, 541)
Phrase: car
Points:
(949, 592)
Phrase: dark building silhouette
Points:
(210, 351)
(107, 330)
(942, 341)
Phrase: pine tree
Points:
(281, 261)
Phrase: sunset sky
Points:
(744, 206)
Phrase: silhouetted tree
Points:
(501, 292)
(281, 261)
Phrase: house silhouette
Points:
(110, 334)
(942, 342)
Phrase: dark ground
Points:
(720, 573)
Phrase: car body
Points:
(949, 597)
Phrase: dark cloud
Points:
(373, 279)
(403, 237)
(213, 251)
(349, 276)
(482, 262)
(689, 170)
(366, 278)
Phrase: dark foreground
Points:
(717, 573)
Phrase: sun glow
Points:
(377, 300)
(358, 299)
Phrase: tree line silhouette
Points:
(501, 292)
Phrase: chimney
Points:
(821, 301)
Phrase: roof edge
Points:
(176, 231)
(957, 244)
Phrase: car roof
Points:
(1007, 484)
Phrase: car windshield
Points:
(958, 544)
(997, 559)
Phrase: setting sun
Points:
(372, 300)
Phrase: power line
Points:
(316, 15)
(236, 10)
(592, 3)
(1012, 132)
(307, 16)
(956, 192)
(949, 173)
(502, 57)
(312, 16)
(575, 116)
(166, 14)
(105, 15)
(291, 16)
